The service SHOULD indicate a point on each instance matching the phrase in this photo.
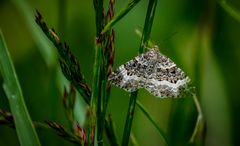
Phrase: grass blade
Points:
(120, 15)
(133, 97)
(150, 118)
(199, 127)
(232, 12)
(128, 124)
(110, 131)
(24, 126)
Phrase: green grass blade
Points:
(24, 126)
(110, 131)
(148, 24)
(120, 15)
(199, 127)
(232, 12)
(130, 114)
(150, 118)
(133, 97)
(133, 140)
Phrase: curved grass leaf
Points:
(150, 118)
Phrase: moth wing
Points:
(167, 80)
(127, 76)
(153, 71)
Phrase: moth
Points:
(152, 71)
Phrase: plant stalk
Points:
(96, 98)
(133, 97)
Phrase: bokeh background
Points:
(199, 35)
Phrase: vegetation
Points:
(198, 37)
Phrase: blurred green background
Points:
(200, 36)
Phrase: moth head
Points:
(153, 53)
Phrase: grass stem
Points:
(133, 97)
(200, 122)
(120, 15)
(231, 11)
(130, 113)
(96, 98)
(150, 118)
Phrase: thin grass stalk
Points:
(101, 78)
(130, 114)
(119, 16)
(150, 118)
(106, 69)
(99, 13)
(148, 25)
(231, 11)
(199, 127)
(96, 98)
(101, 106)
(104, 64)
(110, 131)
(133, 97)
(102, 95)
(95, 93)
(133, 140)
(109, 51)
(100, 111)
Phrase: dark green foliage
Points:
(196, 46)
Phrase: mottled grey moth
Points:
(153, 71)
